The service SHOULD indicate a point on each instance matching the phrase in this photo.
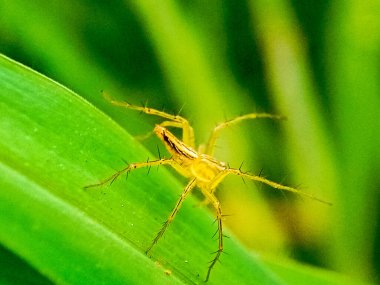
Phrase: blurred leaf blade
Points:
(295, 273)
(17, 271)
(353, 69)
(292, 87)
(309, 147)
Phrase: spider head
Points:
(165, 136)
(160, 131)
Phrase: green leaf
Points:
(296, 273)
(52, 144)
(15, 271)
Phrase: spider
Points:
(199, 166)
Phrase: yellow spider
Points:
(203, 170)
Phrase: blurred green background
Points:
(316, 62)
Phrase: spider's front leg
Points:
(209, 148)
(183, 196)
(131, 167)
(175, 121)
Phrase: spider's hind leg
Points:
(216, 204)
(183, 196)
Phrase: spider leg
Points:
(216, 204)
(270, 183)
(130, 167)
(163, 124)
(183, 196)
(173, 120)
(215, 132)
